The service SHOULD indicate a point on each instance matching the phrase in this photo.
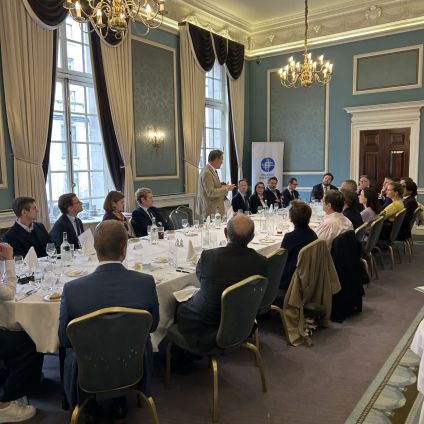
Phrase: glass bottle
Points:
(65, 250)
(154, 233)
(218, 218)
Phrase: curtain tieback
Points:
(28, 161)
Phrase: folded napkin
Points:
(185, 294)
(31, 259)
(87, 242)
(191, 253)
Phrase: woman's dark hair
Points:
(300, 213)
(411, 186)
(258, 183)
(112, 196)
(372, 199)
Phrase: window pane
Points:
(79, 157)
(73, 30)
(98, 184)
(58, 128)
(94, 133)
(76, 98)
(217, 139)
(217, 118)
(209, 139)
(59, 182)
(97, 161)
(59, 53)
(79, 128)
(87, 60)
(82, 188)
(58, 96)
(217, 90)
(58, 157)
(75, 60)
(91, 100)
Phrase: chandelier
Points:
(113, 16)
(295, 74)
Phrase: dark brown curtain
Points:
(113, 156)
(50, 12)
(202, 45)
(220, 44)
(235, 59)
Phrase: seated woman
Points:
(372, 206)
(395, 193)
(410, 203)
(257, 199)
(300, 214)
(114, 206)
(350, 209)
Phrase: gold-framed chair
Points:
(361, 231)
(176, 216)
(239, 306)
(408, 242)
(369, 249)
(109, 348)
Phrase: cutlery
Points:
(26, 294)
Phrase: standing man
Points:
(27, 233)
(290, 193)
(111, 284)
(319, 190)
(142, 216)
(240, 200)
(211, 193)
(272, 194)
(70, 206)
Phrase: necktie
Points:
(246, 203)
(325, 190)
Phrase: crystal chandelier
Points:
(113, 16)
(294, 74)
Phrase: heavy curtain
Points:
(27, 54)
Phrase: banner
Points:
(267, 161)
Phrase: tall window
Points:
(77, 160)
(215, 134)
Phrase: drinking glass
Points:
(149, 230)
(51, 252)
(240, 212)
(58, 271)
(196, 224)
(184, 223)
(247, 213)
(260, 209)
(19, 266)
(2, 270)
(72, 249)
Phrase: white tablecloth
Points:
(40, 319)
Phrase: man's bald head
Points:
(240, 230)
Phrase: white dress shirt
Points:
(334, 224)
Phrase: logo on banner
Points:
(267, 164)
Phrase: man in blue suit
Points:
(241, 199)
(111, 284)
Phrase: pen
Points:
(181, 270)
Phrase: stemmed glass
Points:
(51, 252)
(184, 223)
(19, 266)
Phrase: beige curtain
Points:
(118, 74)
(193, 109)
(237, 106)
(27, 55)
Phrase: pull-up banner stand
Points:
(267, 161)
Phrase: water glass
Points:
(149, 230)
(48, 282)
(2, 270)
(260, 209)
(247, 213)
(184, 223)
(72, 249)
(58, 271)
(240, 212)
(38, 277)
(172, 254)
(196, 224)
(51, 252)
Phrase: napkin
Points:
(191, 253)
(31, 259)
(87, 242)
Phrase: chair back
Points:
(176, 218)
(361, 230)
(276, 263)
(397, 224)
(414, 217)
(188, 212)
(239, 306)
(109, 347)
(374, 234)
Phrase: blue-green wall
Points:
(340, 96)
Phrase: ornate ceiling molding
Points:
(353, 20)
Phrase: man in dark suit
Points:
(142, 216)
(111, 284)
(25, 232)
(320, 190)
(290, 193)
(240, 200)
(198, 319)
(272, 194)
(410, 191)
(300, 214)
(68, 223)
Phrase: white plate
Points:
(160, 260)
(75, 272)
(47, 299)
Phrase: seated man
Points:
(240, 200)
(290, 193)
(111, 284)
(198, 319)
(272, 194)
(350, 185)
(364, 182)
(142, 216)
(318, 191)
(17, 351)
(335, 222)
(350, 209)
(27, 233)
(300, 214)
(68, 223)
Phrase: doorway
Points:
(384, 153)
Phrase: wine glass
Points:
(19, 266)
(184, 223)
(196, 224)
(51, 252)
(260, 209)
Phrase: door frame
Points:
(385, 116)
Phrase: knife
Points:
(26, 294)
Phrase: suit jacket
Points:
(288, 197)
(21, 240)
(293, 242)
(238, 202)
(354, 217)
(255, 203)
(211, 193)
(109, 285)
(272, 198)
(140, 219)
(317, 192)
(198, 319)
(64, 225)
(410, 204)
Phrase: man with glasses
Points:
(290, 193)
(68, 223)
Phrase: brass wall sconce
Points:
(156, 138)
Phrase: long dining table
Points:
(39, 317)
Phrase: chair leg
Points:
(77, 412)
(392, 258)
(398, 253)
(380, 255)
(151, 405)
(280, 311)
(365, 264)
(168, 366)
(256, 337)
(258, 357)
(409, 245)
(215, 411)
(374, 266)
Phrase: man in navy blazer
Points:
(241, 200)
(68, 223)
(27, 233)
(319, 190)
(111, 284)
(290, 193)
(142, 216)
(272, 194)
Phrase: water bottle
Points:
(154, 233)
(218, 219)
(65, 250)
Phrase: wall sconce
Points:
(155, 137)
